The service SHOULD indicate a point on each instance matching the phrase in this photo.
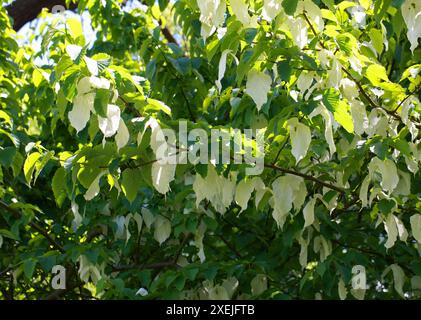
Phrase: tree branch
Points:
(417, 88)
(24, 11)
(35, 226)
(158, 265)
(307, 177)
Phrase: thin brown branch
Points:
(167, 34)
(156, 266)
(24, 11)
(230, 246)
(417, 88)
(34, 226)
(307, 177)
(313, 30)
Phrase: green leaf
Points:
(386, 205)
(289, 6)
(191, 273)
(61, 104)
(339, 108)
(74, 27)
(29, 166)
(331, 99)
(376, 37)
(7, 155)
(375, 73)
(343, 117)
(403, 146)
(131, 182)
(8, 234)
(12, 137)
(380, 8)
(250, 34)
(284, 70)
(29, 267)
(17, 164)
(158, 105)
(41, 164)
(37, 77)
(182, 65)
(347, 42)
(59, 186)
(330, 4)
(180, 282)
(102, 97)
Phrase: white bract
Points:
(392, 231)
(359, 117)
(327, 116)
(142, 291)
(415, 221)
(73, 51)
(258, 284)
(110, 124)
(92, 65)
(388, 171)
(287, 190)
(122, 137)
(83, 105)
(162, 175)
(308, 212)
(258, 86)
(162, 229)
(271, 8)
(298, 29)
(300, 138)
(217, 189)
(312, 11)
(222, 67)
(244, 190)
(398, 277)
(342, 291)
(240, 9)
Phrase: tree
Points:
(330, 90)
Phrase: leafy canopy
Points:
(335, 86)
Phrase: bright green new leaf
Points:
(29, 166)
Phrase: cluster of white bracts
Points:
(83, 105)
(212, 15)
(163, 172)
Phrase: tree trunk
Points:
(23, 11)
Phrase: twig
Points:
(280, 149)
(181, 87)
(35, 226)
(231, 247)
(409, 94)
(157, 265)
(307, 177)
